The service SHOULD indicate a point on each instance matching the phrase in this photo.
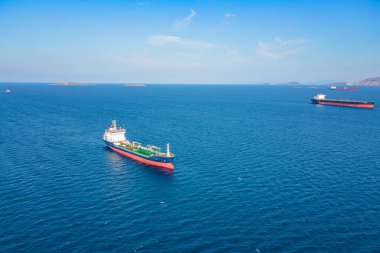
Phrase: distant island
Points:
(71, 84)
(375, 81)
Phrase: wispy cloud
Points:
(184, 22)
(167, 39)
(229, 16)
(280, 48)
(231, 53)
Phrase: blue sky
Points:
(202, 41)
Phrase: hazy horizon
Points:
(127, 83)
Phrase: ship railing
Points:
(151, 147)
(116, 130)
(165, 155)
(136, 144)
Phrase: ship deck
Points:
(143, 151)
(345, 101)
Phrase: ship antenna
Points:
(167, 149)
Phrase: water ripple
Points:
(258, 169)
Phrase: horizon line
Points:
(159, 83)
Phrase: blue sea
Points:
(257, 169)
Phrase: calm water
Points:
(258, 169)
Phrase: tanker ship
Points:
(321, 99)
(151, 155)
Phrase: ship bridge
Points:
(114, 134)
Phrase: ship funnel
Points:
(167, 149)
(114, 123)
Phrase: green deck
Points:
(141, 150)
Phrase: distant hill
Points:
(366, 82)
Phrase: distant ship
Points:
(151, 155)
(321, 99)
(343, 89)
(7, 90)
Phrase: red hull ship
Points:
(151, 155)
(322, 100)
(343, 89)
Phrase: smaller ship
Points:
(349, 89)
(7, 91)
(151, 155)
(322, 100)
(343, 89)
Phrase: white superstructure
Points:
(320, 96)
(113, 134)
(168, 149)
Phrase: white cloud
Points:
(167, 39)
(229, 15)
(184, 22)
(202, 49)
(280, 48)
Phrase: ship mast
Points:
(167, 149)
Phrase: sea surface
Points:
(257, 169)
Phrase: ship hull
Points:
(346, 89)
(159, 162)
(364, 105)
